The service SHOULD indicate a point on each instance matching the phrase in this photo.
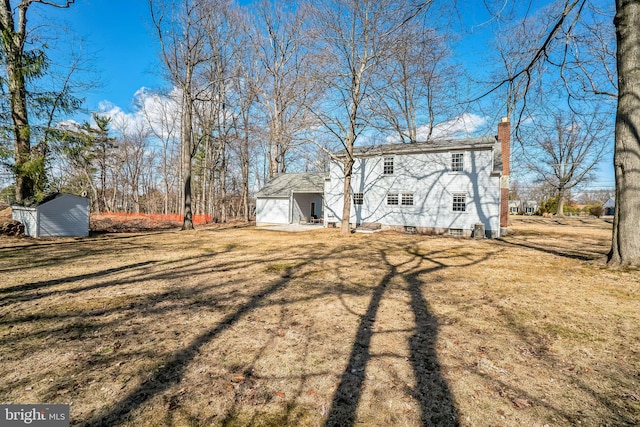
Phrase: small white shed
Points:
(57, 215)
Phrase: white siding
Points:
(429, 178)
(66, 215)
(27, 217)
(272, 211)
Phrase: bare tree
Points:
(162, 117)
(563, 48)
(246, 89)
(563, 149)
(180, 29)
(285, 86)
(416, 83)
(132, 158)
(216, 109)
(625, 249)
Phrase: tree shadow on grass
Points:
(580, 254)
(431, 391)
(172, 371)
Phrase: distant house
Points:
(514, 207)
(291, 198)
(609, 207)
(523, 207)
(445, 186)
(57, 215)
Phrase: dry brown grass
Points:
(246, 327)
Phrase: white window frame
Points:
(388, 165)
(406, 199)
(457, 203)
(393, 197)
(457, 162)
(358, 199)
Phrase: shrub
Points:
(596, 210)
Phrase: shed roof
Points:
(285, 184)
(33, 203)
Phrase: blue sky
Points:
(120, 36)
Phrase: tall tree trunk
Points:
(223, 182)
(245, 177)
(19, 118)
(560, 208)
(346, 207)
(187, 223)
(625, 247)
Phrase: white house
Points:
(524, 207)
(291, 198)
(57, 215)
(446, 186)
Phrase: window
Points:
(459, 202)
(388, 166)
(358, 198)
(457, 162)
(407, 199)
(392, 198)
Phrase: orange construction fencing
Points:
(197, 218)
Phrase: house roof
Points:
(285, 184)
(486, 142)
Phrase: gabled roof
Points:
(486, 142)
(33, 203)
(285, 184)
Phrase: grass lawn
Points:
(247, 327)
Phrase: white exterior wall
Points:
(27, 217)
(66, 215)
(428, 177)
(272, 211)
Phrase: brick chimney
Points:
(504, 136)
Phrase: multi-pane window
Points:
(459, 202)
(392, 198)
(388, 166)
(457, 162)
(404, 199)
(407, 199)
(358, 198)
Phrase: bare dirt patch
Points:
(239, 326)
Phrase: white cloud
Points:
(462, 126)
(155, 111)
